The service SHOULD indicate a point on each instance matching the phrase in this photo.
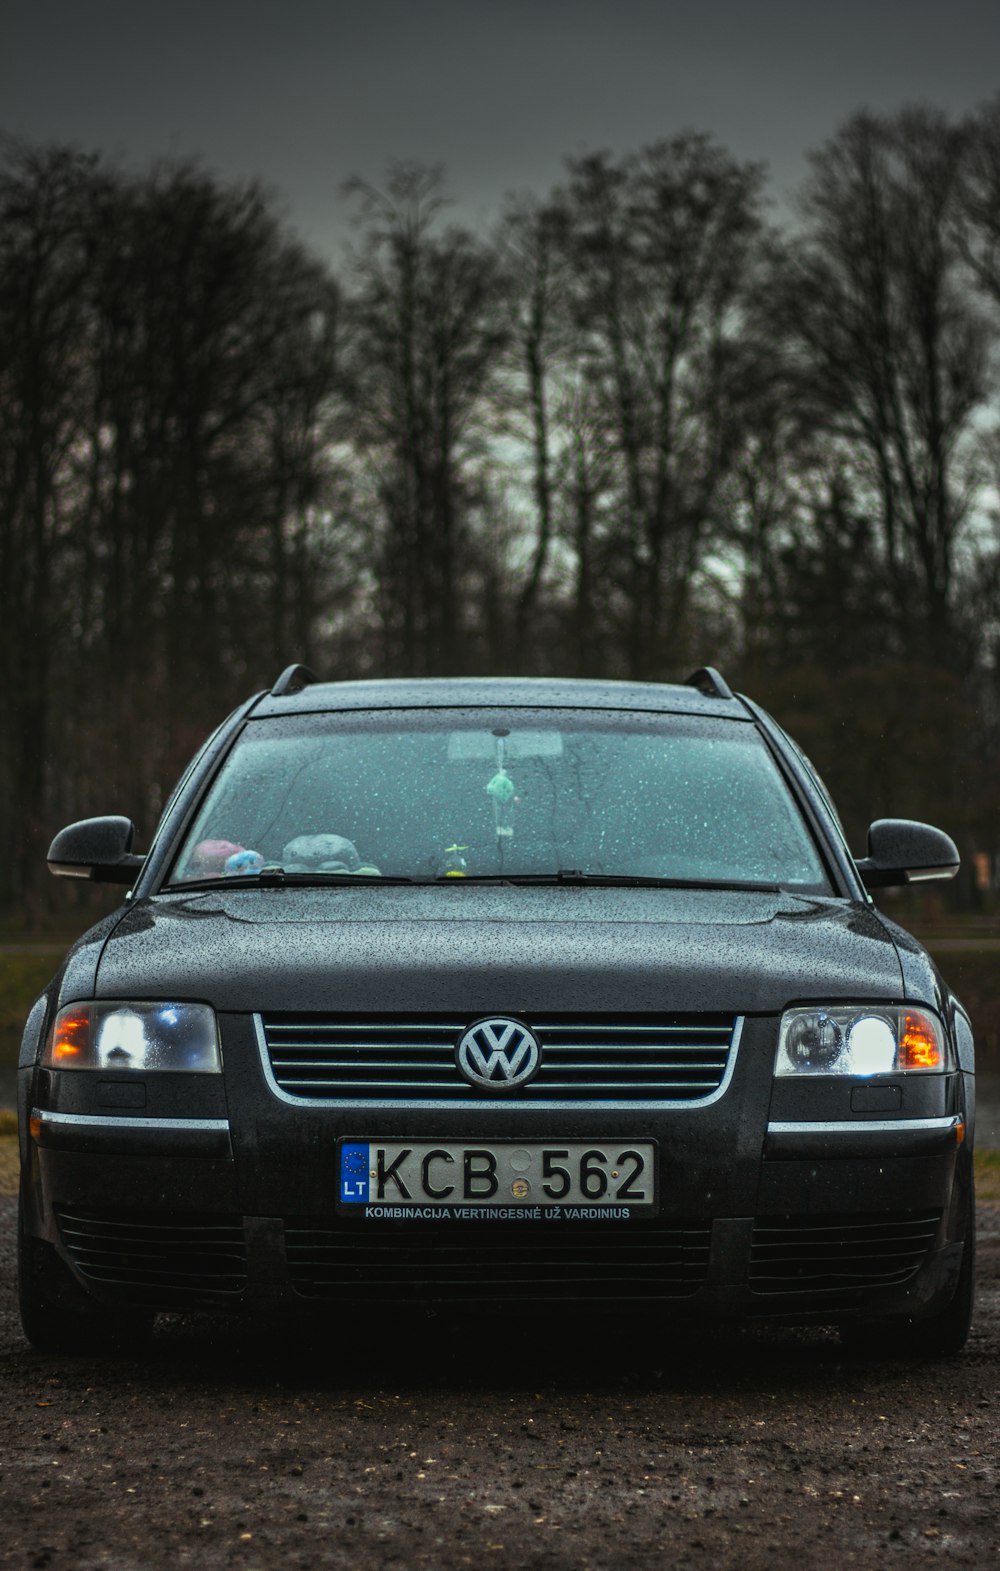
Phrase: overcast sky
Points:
(304, 93)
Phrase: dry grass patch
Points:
(22, 977)
(988, 1176)
(9, 1164)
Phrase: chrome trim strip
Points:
(458, 1026)
(876, 1126)
(104, 1121)
(548, 1104)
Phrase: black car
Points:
(495, 991)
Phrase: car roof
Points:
(501, 693)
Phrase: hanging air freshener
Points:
(501, 789)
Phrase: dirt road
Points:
(473, 1445)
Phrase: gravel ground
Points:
(456, 1444)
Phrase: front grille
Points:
(663, 1058)
(818, 1254)
(169, 1261)
(523, 1261)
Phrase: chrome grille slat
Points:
(378, 1087)
(358, 1063)
(600, 1065)
(601, 1059)
(358, 1047)
(702, 1086)
(670, 1048)
(623, 1027)
(376, 1024)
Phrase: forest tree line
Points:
(639, 426)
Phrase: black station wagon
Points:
(499, 991)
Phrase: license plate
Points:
(499, 1180)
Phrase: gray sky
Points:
(303, 93)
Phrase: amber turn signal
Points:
(918, 1043)
(72, 1037)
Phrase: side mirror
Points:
(901, 851)
(97, 848)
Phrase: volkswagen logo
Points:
(498, 1054)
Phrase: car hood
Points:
(484, 948)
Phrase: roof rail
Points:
(292, 680)
(708, 681)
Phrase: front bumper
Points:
(229, 1202)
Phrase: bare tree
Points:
(425, 334)
(662, 247)
(166, 376)
(46, 236)
(979, 199)
(887, 350)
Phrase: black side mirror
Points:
(97, 848)
(901, 851)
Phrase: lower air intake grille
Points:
(371, 1261)
(169, 1261)
(819, 1254)
(593, 1058)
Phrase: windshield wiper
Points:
(276, 878)
(572, 875)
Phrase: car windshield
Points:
(427, 794)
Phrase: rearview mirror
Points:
(901, 851)
(97, 848)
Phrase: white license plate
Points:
(510, 1180)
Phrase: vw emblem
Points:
(498, 1054)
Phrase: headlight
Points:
(135, 1036)
(859, 1041)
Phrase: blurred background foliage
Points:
(634, 429)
